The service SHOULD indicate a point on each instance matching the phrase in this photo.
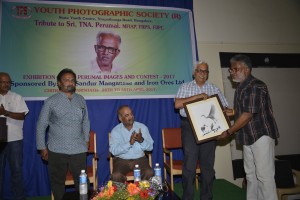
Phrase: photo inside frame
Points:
(207, 118)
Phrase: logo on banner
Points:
(21, 12)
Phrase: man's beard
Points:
(70, 89)
(235, 80)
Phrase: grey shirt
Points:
(68, 124)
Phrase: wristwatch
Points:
(142, 140)
(227, 132)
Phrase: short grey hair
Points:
(101, 33)
(199, 63)
(243, 59)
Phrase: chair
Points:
(129, 175)
(171, 138)
(92, 169)
(287, 179)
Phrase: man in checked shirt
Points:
(65, 114)
(255, 128)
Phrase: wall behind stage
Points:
(250, 27)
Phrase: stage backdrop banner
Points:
(38, 39)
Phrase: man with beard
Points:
(66, 117)
(199, 88)
(107, 49)
(255, 129)
(127, 143)
(13, 110)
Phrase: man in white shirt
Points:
(14, 109)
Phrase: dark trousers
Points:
(58, 164)
(205, 153)
(13, 153)
(123, 166)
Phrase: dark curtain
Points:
(155, 113)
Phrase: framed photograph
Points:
(207, 118)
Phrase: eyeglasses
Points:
(234, 70)
(5, 82)
(201, 71)
(102, 48)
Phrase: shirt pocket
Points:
(78, 114)
(60, 112)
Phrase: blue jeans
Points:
(13, 152)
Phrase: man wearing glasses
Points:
(255, 128)
(107, 49)
(199, 88)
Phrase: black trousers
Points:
(58, 164)
(205, 153)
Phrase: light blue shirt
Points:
(68, 124)
(191, 89)
(119, 142)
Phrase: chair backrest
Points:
(93, 145)
(92, 169)
(110, 156)
(171, 138)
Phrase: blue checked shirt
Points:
(68, 124)
(191, 89)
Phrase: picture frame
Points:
(207, 118)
